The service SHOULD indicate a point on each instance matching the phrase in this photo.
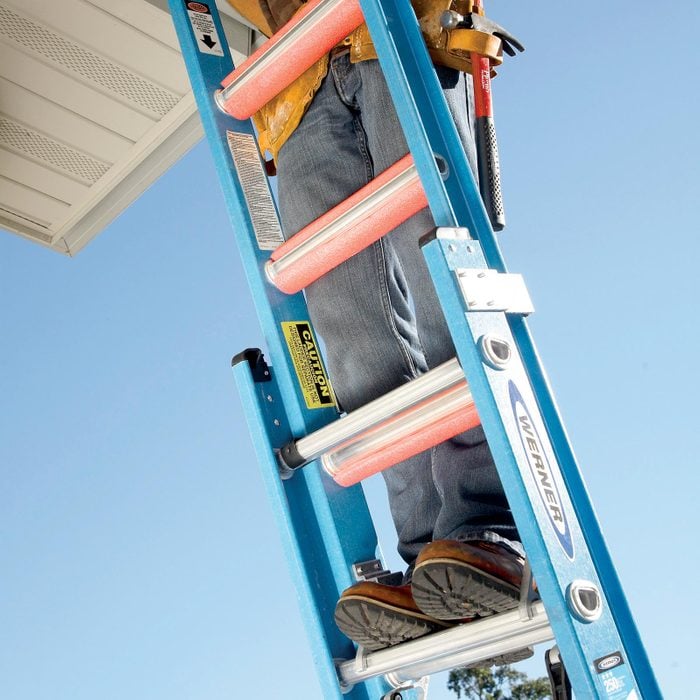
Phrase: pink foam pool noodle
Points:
(373, 211)
(354, 469)
(310, 34)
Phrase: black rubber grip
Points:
(490, 172)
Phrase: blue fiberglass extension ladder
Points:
(327, 530)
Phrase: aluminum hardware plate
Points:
(489, 290)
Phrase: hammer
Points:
(486, 144)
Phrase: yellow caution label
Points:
(306, 359)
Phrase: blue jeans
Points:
(378, 313)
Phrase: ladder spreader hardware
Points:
(309, 35)
(379, 207)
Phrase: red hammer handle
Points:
(486, 143)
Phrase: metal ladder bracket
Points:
(373, 570)
(484, 289)
(489, 290)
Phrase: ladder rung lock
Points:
(490, 290)
(462, 645)
(309, 35)
(377, 208)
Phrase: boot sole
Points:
(375, 625)
(449, 589)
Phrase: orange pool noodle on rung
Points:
(354, 470)
(377, 221)
(303, 52)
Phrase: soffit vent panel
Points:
(94, 106)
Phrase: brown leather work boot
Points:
(377, 616)
(453, 580)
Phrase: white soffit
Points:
(94, 106)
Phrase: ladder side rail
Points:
(340, 518)
(269, 426)
(584, 509)
(542, 506)
(403, 53)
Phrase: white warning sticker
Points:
(204, 28)
(263, 215)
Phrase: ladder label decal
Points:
(263, 215)
(615, 677)
(608, 662)
(308, 365)
(541, 471)
(204, 28)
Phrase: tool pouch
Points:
(278, 119)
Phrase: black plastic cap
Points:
(290, 456)
(256, 361)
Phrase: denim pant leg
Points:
(360, 309)
(377, 336)
(473, 504)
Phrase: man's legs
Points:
(360, 309)
(472, 502)
(378, 336)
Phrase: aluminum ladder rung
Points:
(428, 410)
(465, 644)
(439, 418)
(394, 402)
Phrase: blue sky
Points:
(139, 557)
